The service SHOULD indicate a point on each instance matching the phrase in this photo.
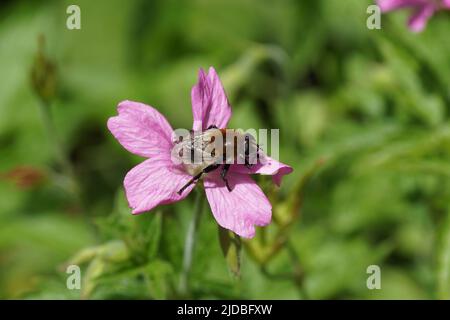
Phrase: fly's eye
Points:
(177, 140)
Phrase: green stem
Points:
(189, 243)
(298, 274)
(58, 149)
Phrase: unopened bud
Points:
(43, 74)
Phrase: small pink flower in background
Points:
(142, 130)
(422, 10)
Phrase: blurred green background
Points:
(363, 117)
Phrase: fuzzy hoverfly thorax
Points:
(198, 150)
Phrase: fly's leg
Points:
(223, 174)
(191, 134)
(257, 152)
(198, 176)
(248, 165)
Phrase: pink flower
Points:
(422, 10)
(142, 130)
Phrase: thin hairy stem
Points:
(189, 244)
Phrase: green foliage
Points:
(363, 118)
(231, 248)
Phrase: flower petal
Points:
(419, 19)
(242, 208)
(141, 129)
(389, 5)
(268, 166)
(154, 182)
(447, 4)
(210, 105)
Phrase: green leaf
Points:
(154, 234)
(94, 270)
(160, 277)
(231, 248)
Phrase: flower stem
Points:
(298, 274)
(58, 149)
(189, 243)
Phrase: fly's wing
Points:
(201, 148)
(254, 151)
(212, 146)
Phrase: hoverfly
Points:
(206, 151)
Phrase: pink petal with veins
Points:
(242, 208)
(154, 182)
(269, 166)
(141, 129)
(210, 105)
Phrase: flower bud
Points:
(43, 74)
